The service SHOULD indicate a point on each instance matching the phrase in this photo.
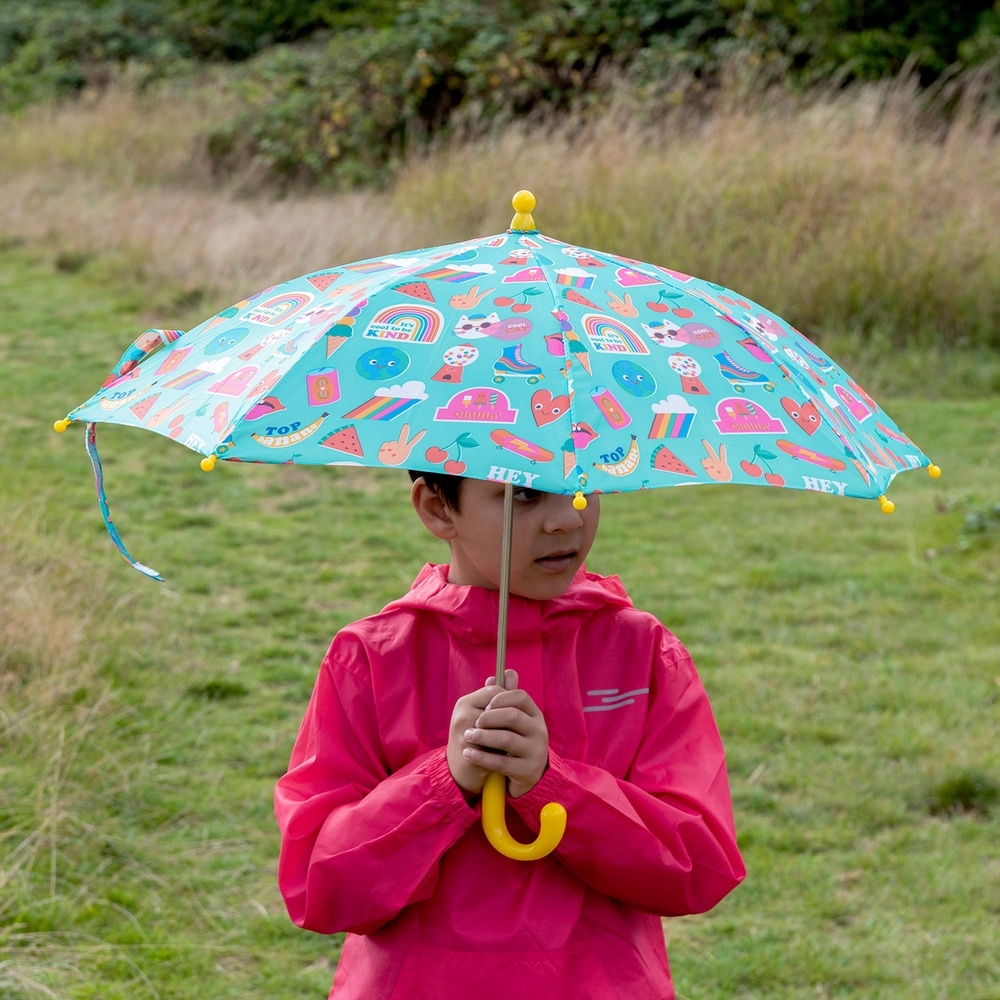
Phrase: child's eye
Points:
(524, 495)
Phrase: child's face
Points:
(551, 539)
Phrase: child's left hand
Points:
(514, 724)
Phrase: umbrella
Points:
(515, 358)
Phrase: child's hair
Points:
(446, 486)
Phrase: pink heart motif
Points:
(545, 407)
(804, 414)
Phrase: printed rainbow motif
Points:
(610, 336)
(278, 308)
(370, 267)
(574, 278)
(413, 324)
(187, 379)
(382, 408)
(671, 425)
(452, 274)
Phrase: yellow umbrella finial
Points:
(523, 202)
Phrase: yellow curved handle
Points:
(553, 818)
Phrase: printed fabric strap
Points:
(102, 499)
(143, 346)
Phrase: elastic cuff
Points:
(551, 787)
(444, 788)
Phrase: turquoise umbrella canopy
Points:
(513, 357)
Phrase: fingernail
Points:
(469, 734)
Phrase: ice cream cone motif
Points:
(578, 350)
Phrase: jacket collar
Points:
(474, 610)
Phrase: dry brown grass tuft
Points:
(43, 652)
(856, 210)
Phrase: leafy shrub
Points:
(57, 47)
(341, 114)
(376, 75)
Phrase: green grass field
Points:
(851, 659)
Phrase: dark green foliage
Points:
(375, 75)
(57, 47)
(964, 792)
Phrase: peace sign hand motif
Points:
(715, 465)
(398, 451)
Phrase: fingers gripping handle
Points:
(553, 820)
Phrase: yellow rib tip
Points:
(523, 203)
(207, 464)
(934, 471)
(60, 426)
(886, 504)
(579, 500)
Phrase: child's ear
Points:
(437, 516)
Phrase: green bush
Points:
(342, 113)
(54, 48)
(376, 75)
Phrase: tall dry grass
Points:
(850, 211)
(64, 734)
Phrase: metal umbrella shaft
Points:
(505, 549)
(553, 815)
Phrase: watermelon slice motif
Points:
(664, 460)
(344, 439)
(417, 290)
(324, 280)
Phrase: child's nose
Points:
(561, 515)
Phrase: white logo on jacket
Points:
(611, 698)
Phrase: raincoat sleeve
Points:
(662, 838)
(358, 843)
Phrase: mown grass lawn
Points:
(851, 659)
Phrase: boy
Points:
(603, 713)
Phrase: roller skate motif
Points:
(738, 376)
(511, 364)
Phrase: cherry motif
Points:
(754, 470)
(453, 466)
(661, 306)
(505, 301)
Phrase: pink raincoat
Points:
(379, 841)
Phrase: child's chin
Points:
(544, 586)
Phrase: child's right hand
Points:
(524, 736)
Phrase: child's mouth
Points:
(557, 562)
